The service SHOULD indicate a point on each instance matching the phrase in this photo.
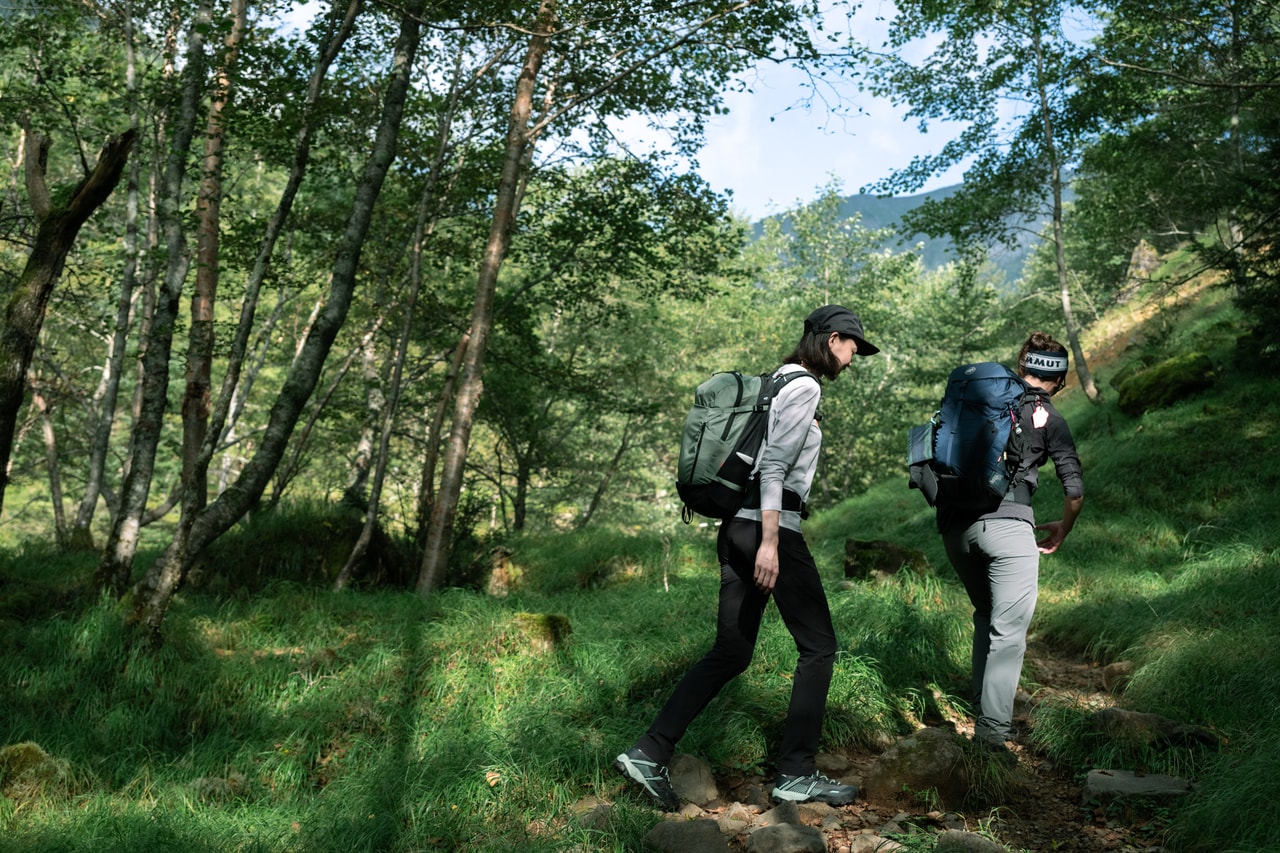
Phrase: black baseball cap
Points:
(837, 318)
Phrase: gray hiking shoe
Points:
(651, 776)
(813, 788)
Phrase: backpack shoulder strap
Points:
(781, 380)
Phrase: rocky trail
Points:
(1042, 811)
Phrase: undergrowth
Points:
(298, 718)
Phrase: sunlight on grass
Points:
(296, 718)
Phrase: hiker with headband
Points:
(996, 553)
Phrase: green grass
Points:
(294, 718)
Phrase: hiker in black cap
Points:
(762, 554)
(996, 553)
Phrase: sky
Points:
(774, 151)
(774, 158)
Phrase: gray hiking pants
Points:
(999, 564)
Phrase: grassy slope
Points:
(305, 720)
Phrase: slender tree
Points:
(1006, 71)
(60, 217)
(154, 593)
(116, 564)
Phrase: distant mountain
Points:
(880, 212)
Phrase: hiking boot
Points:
(813, 788)
(999, 751)
(649, 775)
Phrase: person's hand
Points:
(766, 568)
(1050, 543)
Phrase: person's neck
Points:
(1046, 385)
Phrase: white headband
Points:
(1048, 364)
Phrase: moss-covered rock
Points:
(538, 633)
(27, 772)
(878, 559)
(1165, 383)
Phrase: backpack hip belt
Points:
(791, 501)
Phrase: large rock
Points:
(692, 779)
(686, 836)
(932, 758)
(1107, 785)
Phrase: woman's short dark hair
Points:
(813, 352)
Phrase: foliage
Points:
(1185, 102)
(1002, 71)
(301, 718)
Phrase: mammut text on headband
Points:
(1042, 363)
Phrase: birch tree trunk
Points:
(80, 535)
(471, 381)
(195, 400)
(116, 564)
(39, 403)
(155, 591)
(1059, 250)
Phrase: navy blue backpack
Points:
(964, 456)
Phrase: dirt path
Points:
(1044, 813)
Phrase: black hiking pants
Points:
(802, 603)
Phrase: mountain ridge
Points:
(876, 212)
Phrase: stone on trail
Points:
(787, 838)
(1107, 785)
(686, 836)
(692, 779)
(958, 841)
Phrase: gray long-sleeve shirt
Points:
(789, 457)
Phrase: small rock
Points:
(1116, 675)
(787, 838)
(958, 841)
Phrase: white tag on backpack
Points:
(1039, 417)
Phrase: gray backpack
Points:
(722, 437)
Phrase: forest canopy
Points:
(397, 260)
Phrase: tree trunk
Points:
(431, 458)
(116, 565)
(55, 234)
(1059, 252)
(199, 371)
(353, 495)
(422, 230)
(154, 593)
(226, 410)
(80, 536)
(55, 471)
(598, 496)
(470, 385)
